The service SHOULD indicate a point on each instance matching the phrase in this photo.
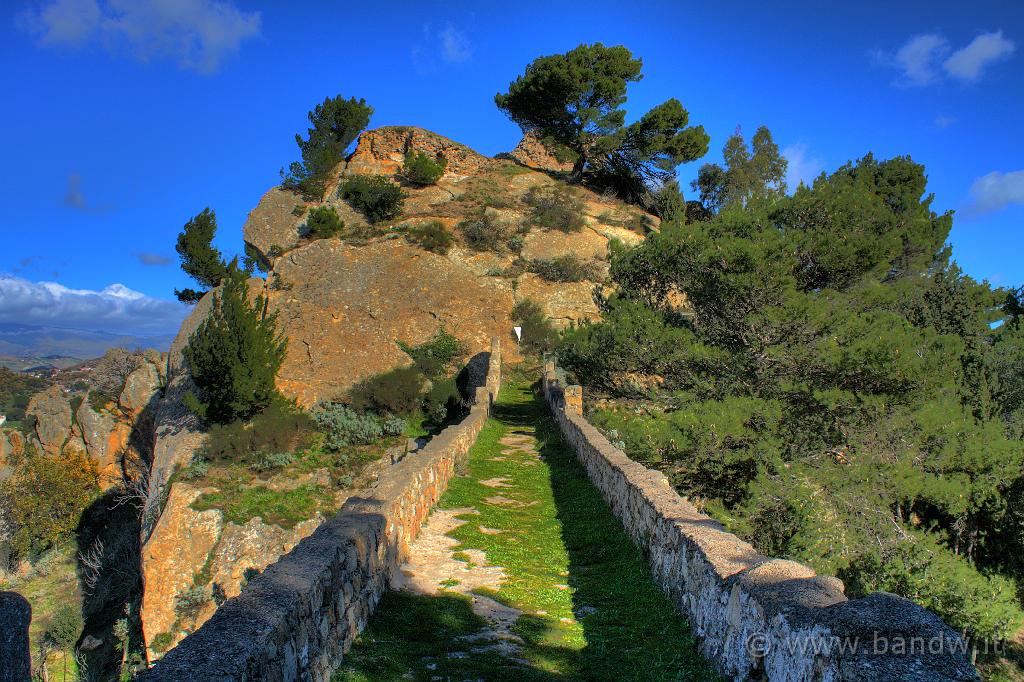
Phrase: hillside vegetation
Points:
(817, 372)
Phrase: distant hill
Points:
(24, 347)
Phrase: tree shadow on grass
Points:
(421, 637)
(633, 631)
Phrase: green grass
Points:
(284, 508)
(590, 608)
(51, 582)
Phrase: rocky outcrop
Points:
(50, 413)
(345, 306)
(273, 226)
(179, 548)
(382, 152)
(139, 389)
(533, 153)
(15, 656)
(105, 436)
(12, 444)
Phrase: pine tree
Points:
(234, 355)
(199, 259)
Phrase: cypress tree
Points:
(234, 355)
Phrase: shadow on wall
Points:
(109, 537)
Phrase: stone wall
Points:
(756, 617)
(299, 617)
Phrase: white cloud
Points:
(449, 45)
(996, 190)
(802, 166)
(455, 47)
(923, 59)
(943, 121)
(916, 59)
(115, 309)
(968, 62)
(197, 34)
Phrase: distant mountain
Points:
(32, 346)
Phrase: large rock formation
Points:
(50, 415)
(343, 303)
(345, 306)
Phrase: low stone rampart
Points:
(296, 620)
(756, 617)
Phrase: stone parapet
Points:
(756, 617)
(296, 620)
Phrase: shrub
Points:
(281, 427)
(442, 400)
(434, 356)
(271, 461)
(397, 392)
(189, 603)
(484, 192)
(99, 400)
(432, 236)
(423, 169)
(556, 208)
(539, 335)
(43, 500)
(375, 196)
(565, 269)
(323, 222)
(345, 427)
(234, 355)
(484, 232)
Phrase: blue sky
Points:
(123, 118)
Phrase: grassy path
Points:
(524, 574)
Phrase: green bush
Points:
(442, 401)
(398, 392)
(539, 335)
(42, 501)
(423, 169)
(432, 236)
(323, 222)
(281, 427)
(189, 603)
(434, 356)
(234, 355)
(379, 199)
(271, 461)
(344, 426)
(566, 269)
(484, 232)
(556, 208)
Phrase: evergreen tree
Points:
(336, 123)
(832, 386)
(748, 173)
(234, 355)
(575, 99)
(199, 259)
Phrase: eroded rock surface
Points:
(345, 306)
(52, 415)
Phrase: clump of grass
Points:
(284, 508)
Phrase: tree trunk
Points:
(577, 169)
